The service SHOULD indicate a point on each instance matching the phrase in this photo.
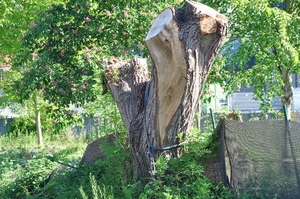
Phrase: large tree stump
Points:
(183, 44)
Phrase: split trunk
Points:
(182, 44)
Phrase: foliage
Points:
(15, 17)
(260, 186)
(217, 75)
(110, 178)
(25, 167)
(105, 109)
(98, 192)
(21, 125)
(113, 174)
(62, 52)
(23, 163)
(107, 178)
(265, 33)
(31, 178)
(184, 177)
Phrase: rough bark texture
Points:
(127, 82)
(287, 92)
(187, 48)
(182, 44)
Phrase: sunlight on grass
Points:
(25, 166)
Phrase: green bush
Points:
(21, 125)
(184, 177)
(109, 178)
(31, 178)
(25, 167)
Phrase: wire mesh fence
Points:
(260, 158)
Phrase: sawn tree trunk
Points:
(182, 44)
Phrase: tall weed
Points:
(99, 192)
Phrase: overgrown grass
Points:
(25, 166)
(28, 171)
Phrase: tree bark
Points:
(182, 44)
(287, 92)
(38, 122)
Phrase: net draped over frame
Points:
(262, 158)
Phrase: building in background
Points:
(243, 101)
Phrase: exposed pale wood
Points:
(182, 44)
(169, 59)
(182, 53)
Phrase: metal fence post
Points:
(212, 118)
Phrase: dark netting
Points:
(215, 168)
(263, 157)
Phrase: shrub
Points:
(184, 177)
(31, 177)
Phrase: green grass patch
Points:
(52, 172)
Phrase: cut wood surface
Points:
(169, 59)
(182, 44)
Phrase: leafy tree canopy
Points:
(266, 32)
(15, 18)
(62, 53)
